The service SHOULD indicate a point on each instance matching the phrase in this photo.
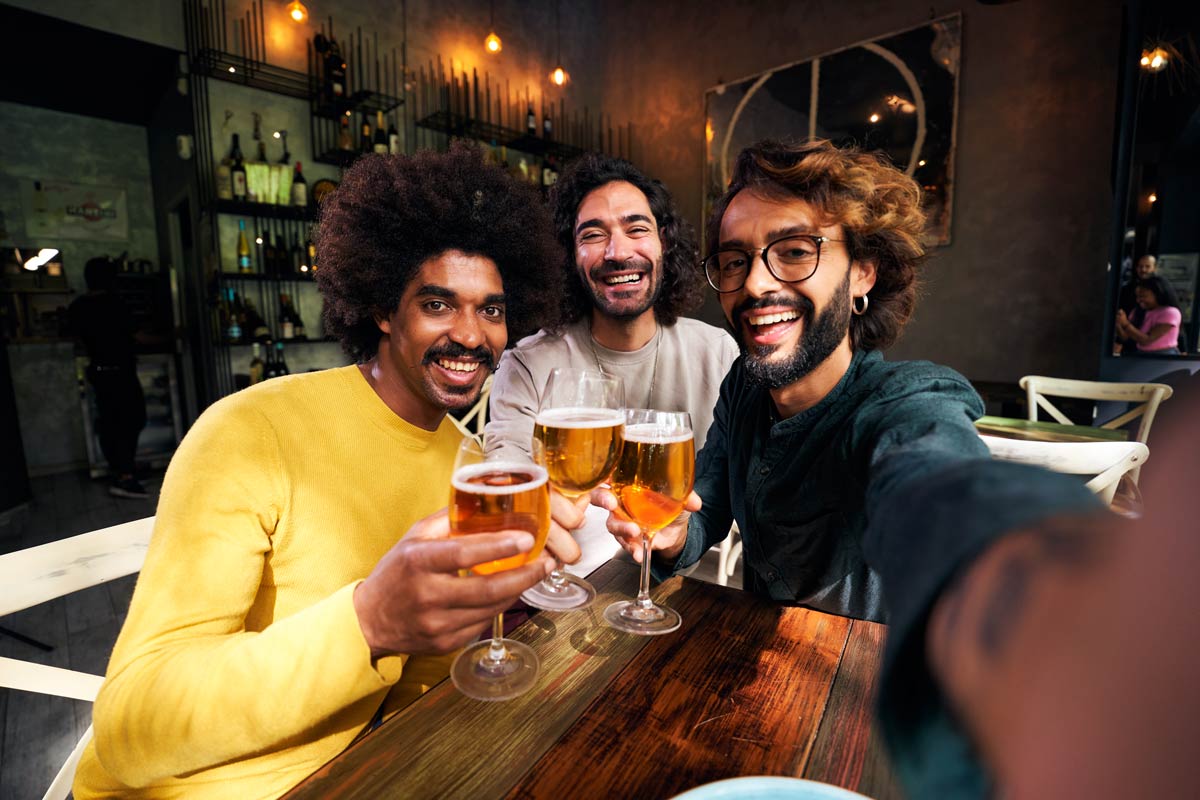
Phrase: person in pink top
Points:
(1159, 330)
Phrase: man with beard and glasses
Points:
(630, 273)
(859, 485)
(300, 584)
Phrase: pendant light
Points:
(492, 42)
(558, 75)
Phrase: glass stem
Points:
(497, 653)
(555, 578)
(643, 598)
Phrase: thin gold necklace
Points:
(653, 374)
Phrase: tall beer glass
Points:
(579, 426)
(652, 481)
(488, 496)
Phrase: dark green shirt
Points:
(866, 505)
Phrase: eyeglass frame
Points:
(762, 253)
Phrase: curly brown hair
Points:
(877, 205)
(682, 282)
(392, 213)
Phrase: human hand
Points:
(566, 515)
(415, 600)
(668, 542)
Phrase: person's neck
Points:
(624, 334)
(805, 393)
(397, 396)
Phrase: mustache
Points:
(798, 303)
(456, 350)
(606, 268)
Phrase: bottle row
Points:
(272, 255)
(239, 321)
(258, 181)
(274, 366)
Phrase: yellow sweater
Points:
(241, 667)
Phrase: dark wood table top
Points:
(1039, 431)
(745, 687)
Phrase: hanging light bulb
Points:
(559, 76)
(492, 43)
(297, 11)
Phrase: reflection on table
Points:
(745, 687)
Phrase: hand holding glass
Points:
(652, 481)
(488, 496)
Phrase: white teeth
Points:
(768, 319)
(458, 366)
(619, 279)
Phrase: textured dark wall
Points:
(1021, 288)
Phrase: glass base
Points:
(628, 616)
(478, 676)
(573, 594)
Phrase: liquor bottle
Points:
(380, 143)
(257, 367)
(287, 324)
(238, 170)
(364, 139)
(281, 367)
(225, 177)
(344, 141)
(531, 121)
(243, 249)
(547, 128)
(299, 188)
(333, 67)
(268, 255)
(298, 260)
(255, 327)
(298, 324)
(393, 137)
(233, 330)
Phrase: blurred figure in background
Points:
(1158, 328)
(106, 328)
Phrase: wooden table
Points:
(1012, 428)
(745, 687)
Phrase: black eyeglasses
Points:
(791, 259)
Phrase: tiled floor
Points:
(37, 732)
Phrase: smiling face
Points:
(1146, 266)
(445, 337)
(787, 330)
(1145, 298)
(618, 251)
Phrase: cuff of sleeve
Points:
(693, 549)
(920, 539)
(385, 670)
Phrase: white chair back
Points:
(39, 574)
(1106, 461)
(474, 420)
(1148, 395)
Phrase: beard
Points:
(820, 336)
(630, 307)
(456, 398)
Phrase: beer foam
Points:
(463, 475)
(581, 417)
(651, 433)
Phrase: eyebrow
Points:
(773, 235)
(625, 220)
(434, 290)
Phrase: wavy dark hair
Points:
(392, 213)
(877, 205)
(682, 282)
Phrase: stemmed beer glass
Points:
(579, 429)
(489, 495)
(652, 481)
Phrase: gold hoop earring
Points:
(866, 301)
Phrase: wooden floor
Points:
(37, 732)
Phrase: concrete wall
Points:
(1021, 288)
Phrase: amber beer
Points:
(581, 446)
(654, 474)
(498, 496)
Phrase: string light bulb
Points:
(1155, 60)
(492, 43)
(297, 11)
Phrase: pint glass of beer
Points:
(652, 480)
(579, 428)
(487, 496)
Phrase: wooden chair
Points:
(730, 550)
(473, 421)
(39, 574)
(1106, 461)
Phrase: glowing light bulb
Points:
(1153, 197)
(921, 163)
(231, 69)
(297, 11)
(258, 240)
(874, 118)
(559, 76)
(492, 43)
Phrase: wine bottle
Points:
(380, 143)
(243, 249)
(364, 139)
(393, 137)
(237, 171)
(531, 121)
(298, 323)
(233, 331)
(547, 128)
(287, 325)
(225, 177)
(283, 260)
(344, 141)
(299, 188)
(257, 367)
(297, 260)
(281, 366)
(255, 326)
(269, 255)
(335, 72)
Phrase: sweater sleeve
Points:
(935, 501)
(512, 408)
(189, 686)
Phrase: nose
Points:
(759, 280)
(467, 332)
(619, 248)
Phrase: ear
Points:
(862, 278)
(384, 324)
